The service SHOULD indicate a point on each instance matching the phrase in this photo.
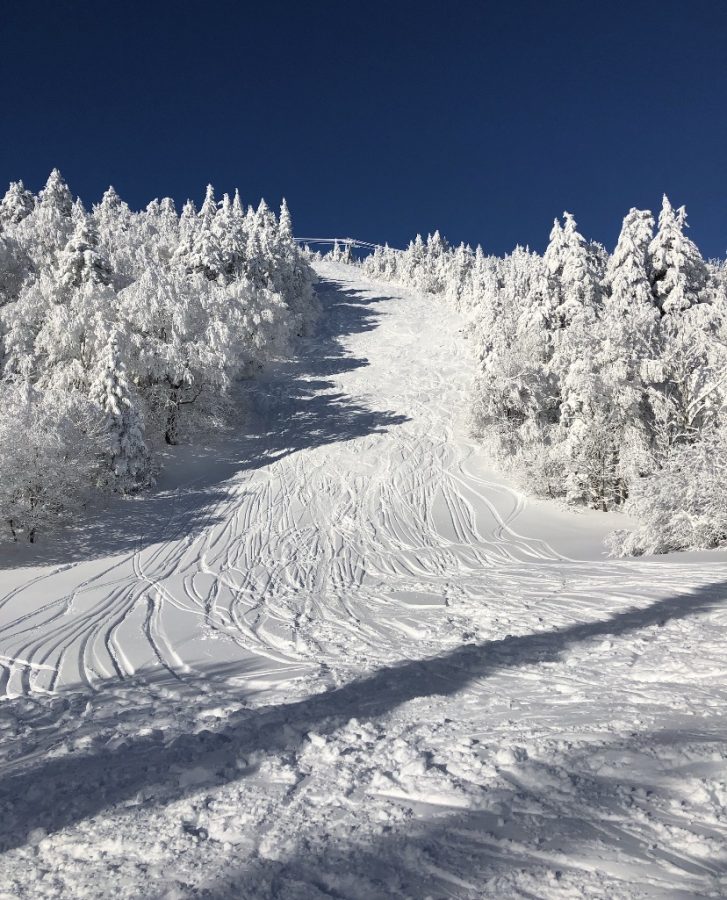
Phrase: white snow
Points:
(335, 655)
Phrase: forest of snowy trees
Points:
(121, 330)
(601, 379)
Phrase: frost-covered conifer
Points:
(205, 253)
(187, 232)
(679, 276)
(16, 204)
(123, 248)
(285, 223)
(123, 424)
(208, 210)
(627, 278)
(554, 252)
(45, 231)
(237, 208)
(579, 277)
(159, 233)
(82, 261)
(56, 195)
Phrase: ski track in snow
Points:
(362, 665)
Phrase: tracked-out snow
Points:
(335, 654)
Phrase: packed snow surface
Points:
(333, 655)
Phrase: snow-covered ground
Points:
(341, 658)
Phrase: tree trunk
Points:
(170, 433)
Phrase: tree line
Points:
(122, 331)
(601, 379)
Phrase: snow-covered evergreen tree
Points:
(123, 424)
(56, 195)
(16, 204)
(82, 261)
(46, 230)
(285, 223)
(679, 276)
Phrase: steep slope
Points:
(340, 657)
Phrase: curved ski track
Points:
(313, 559)
(422, 683)
(305, 556)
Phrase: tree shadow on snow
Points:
(291, 406)
(53, 793)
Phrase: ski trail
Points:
(514, 719)
(310, 544)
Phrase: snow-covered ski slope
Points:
(341, 658)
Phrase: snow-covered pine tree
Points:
(45, 231)
(199, 249)
(285, 223)
(554, 252)
(158, 235)
(682, 396)
(579, 276)
(679, 276)
(208, 210)
(238, 210)
(119, 237)
(233, 238)
(56, 195)
(627, 273)
(16, 205)
(123, 423)
(625, 355)
(188, 224)
(82, 261)
(577, 282)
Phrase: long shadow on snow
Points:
(55, 793)
(291, 407)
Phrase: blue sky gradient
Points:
(482, 119)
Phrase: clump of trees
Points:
(121, 330)
(601, 378)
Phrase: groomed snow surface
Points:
(335, 656)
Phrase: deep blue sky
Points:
(378, 120)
